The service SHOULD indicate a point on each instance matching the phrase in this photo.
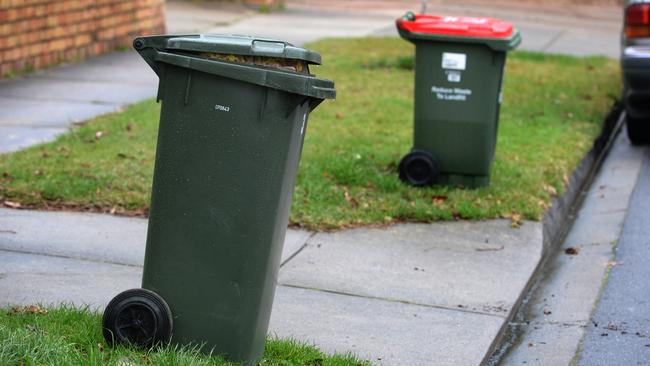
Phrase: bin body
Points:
(458, 91)
(228, 150)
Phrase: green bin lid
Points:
(231, 44)
(178, 50)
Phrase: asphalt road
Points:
(619, 333)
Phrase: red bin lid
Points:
(457, 26)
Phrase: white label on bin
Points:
(453, 76)
(222, 108)
(453, 94)
(454, 61)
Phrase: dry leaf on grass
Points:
(28, 309)
(550, 189)
(12, 204)
(350, 199)
(438, 200)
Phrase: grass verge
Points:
(552, 111)
(67, 336)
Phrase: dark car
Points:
(635, 63)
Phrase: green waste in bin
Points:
(232, 124)
(458, 79)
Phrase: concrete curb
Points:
(556, 223)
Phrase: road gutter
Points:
(557, 222)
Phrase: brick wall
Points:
(37, 33)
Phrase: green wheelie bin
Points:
(459, 64)
(234, 113)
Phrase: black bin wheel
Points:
(419, 168)
(138, 317)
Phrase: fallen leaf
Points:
(550, 189)
(350, 199)
(515, 221)
(29, 309)
(12, 204)
(38, 172)
(572, 251)
(438, 200)
(339, 115)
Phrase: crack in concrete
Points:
(458, 309)
(63, 256)
(63, 101)
(552, 41)
(303, 246)
(563, 323)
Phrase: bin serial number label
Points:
(455, 94)
(222, 108)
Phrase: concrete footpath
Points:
(406, 295)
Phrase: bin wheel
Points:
(138, 317)
(419, 168)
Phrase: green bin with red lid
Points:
(459, 64)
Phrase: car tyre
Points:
(638, 130)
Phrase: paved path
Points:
(409, 294)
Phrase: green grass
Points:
(69, 336)
(553, 109)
